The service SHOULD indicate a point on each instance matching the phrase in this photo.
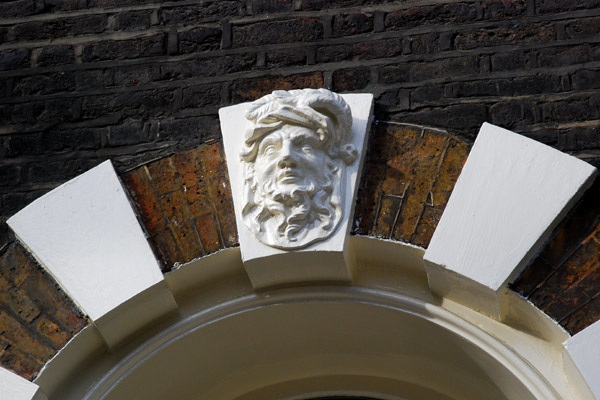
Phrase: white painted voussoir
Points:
(581, 358)
(86, 235)
(323, 256)
(510, 195)
(13, 387)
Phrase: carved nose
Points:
(286, 161)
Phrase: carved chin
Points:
(287, 226)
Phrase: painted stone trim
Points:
(36, 317)
(581, 356)
(14, 387)
(511, 194)
(86, 235)
(564, 279)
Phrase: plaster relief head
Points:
(294, 157)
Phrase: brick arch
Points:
(184, 204)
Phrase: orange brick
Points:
(164, 176)
(187, 242)
(15, 334)
(142, 191)
(208, 230)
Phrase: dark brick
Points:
(124, 49)
(117, 3)
(463, 117)
(395, 73)
(199, 39)
(581, 138)
(426, 94)
(351, 24)
(59, 171)
(18, 145)
(19, 8)
(286, 57)
(92, 79)
(55, 55)
(502, 9)
(574, 110)
(198, 128)
(202, 96)
(281, 31)
(272, 6)
(201, 13)
(520, 33)
(345, 80)
(449, 67)
(127, 133)
(511, 60)
(552, 6)
(511, 114)
(586, 79)
(583, 28)
(429, 15)
(425, 44)
(10, 175)
(135, 75)
(51, 29)
(252, 89)
(61, 5)
(207, 67)
(132, 20)
(360, 51)
(14, 59)
(44, 84)
(583, 317)
(81, 139)
(568, 55)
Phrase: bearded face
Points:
(290, 189)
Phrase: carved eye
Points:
(269, 150)
(307, 148)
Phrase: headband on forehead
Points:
(319, 109)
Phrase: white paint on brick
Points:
(510, 194)
(582, 358)
(13, 387)
(86, 235)
(327, 260)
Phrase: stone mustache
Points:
(294, 156)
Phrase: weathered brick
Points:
(523, 33)
(61, 5)
(134, 75)
(511, 60)
(54, 28)
(55, 55)
(14, 59)
(132, 20)
(583, 28)
(352, 24)
(585, 79)
(511, 114)
(280, 31)
(195, 128)
(271, 6)
(10, 175)
(202, 95)
(70, 140)
(127, 133)
(582, 317)
(44, 84)
(568, 55)
(286, 57)
(58, 171)
(208, 66)
(20, 8)
(552, 6)
(349, 79)
(123, 49)
(199, 39)
(251, 89)
(429, 15)
(575, 110)
(194, 14)
(501, 9)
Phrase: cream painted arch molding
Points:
(404, 323)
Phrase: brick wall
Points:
(134, 80)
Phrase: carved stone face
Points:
(291, 158)
(295, 152)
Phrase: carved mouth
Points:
(288, 176)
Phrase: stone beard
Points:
(294, 162)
